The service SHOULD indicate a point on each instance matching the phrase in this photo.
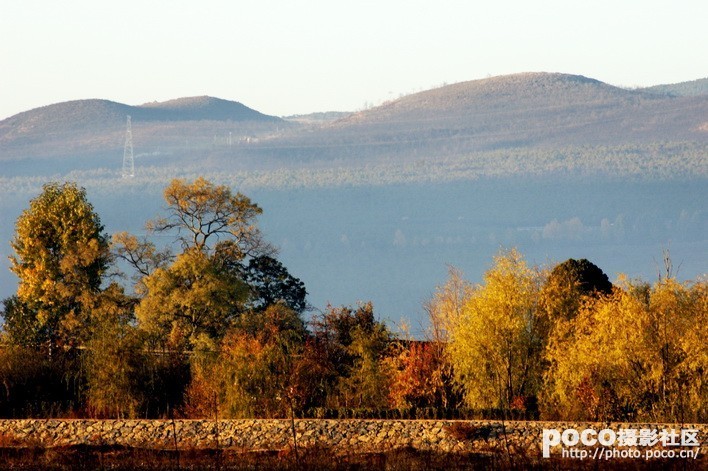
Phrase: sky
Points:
(296, 57)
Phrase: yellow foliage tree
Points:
(495, 346)
(676, 343)
(594, 358)
(201, 212)
(638, 353)
(446, 305)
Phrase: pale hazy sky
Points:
(288, 57)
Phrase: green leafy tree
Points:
(205, 288)
(354, 344)
(255, 372)
(271, 283)
(34, 385)
(60, 257)
(21, 325)
(114, 358)
(193, 296)
(369, 380)
(127, 375)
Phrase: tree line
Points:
(638, 162)
(570, 344)
(214, 325)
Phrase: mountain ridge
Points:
(495, 92)
(691, 88)
(525, 110)
(92, 125)
(181, 109)
(207, 108)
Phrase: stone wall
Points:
(339, 435)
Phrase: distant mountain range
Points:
(521, 111)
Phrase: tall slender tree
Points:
(496, 345)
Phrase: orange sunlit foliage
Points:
(419, 375)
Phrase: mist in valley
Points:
(392, 244)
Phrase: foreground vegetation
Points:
(214, 326)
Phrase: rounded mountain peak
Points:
(206, 108)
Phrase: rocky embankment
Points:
(346, 436)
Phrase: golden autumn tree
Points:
(596, 359)
(495, 345)
(60, 257)
(202, 214)
(447, 304)
(677, 329)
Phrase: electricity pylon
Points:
(128, 162)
